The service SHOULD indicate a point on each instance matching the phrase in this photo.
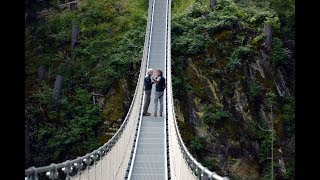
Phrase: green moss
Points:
(182, 6)
(215, 51)
(266, 82)
(213, 90)
(256, 42)
(245, 169)
(103, 138)
(114, 104)
(223, 35)
(185, 130)
(193, 75)
(200, 114)
(230, 129)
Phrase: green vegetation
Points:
(288, 115)
(208, 163)
(109, 50)
(223, 75)
(280, 55)
(212, 116)
(255, 89)
(196, 144)
(271, 98)
(209, 62)
(265, 152)
(290, 170)
(238, 56)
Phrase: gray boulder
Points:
(268, 32)
(213, 4)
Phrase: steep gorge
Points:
(232, 63)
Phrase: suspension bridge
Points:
(144, 147)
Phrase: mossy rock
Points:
(185, 130)
(114, 103)
(245, 169)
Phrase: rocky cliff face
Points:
(224, 91)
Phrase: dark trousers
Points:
(146, 100)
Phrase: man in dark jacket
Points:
(147, 89)
(158, 95)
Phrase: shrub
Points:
(279, 55)
(208, 163)
(196, 144)
(209, 61)
(198, 91)
(288, 115)
(289, 111)
(234, 63)
(265, 152)
(177, 86)
(258, 39)
(213, 115)
(255, 89)
(261, 16)
(189, 43)
(271, 98)
(290, 170)
(198, 9)
(274, 22)
(238, 55)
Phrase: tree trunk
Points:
(213, 4)
(75, 34)
(57, 90)
(41, 72)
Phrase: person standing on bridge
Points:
(160, 86)
(147, 89)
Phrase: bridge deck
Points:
(150, 157)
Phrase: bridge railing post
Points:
(78, 165)
(66, 169)
(53, 172)
(34, 174)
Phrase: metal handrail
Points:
(193, 164)
(148, 41)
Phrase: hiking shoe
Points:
(146, 114)
(155, 115)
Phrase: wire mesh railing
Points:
(182, 163)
